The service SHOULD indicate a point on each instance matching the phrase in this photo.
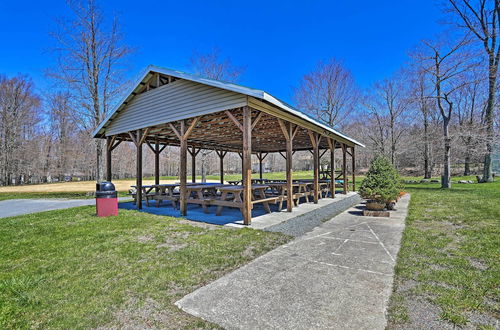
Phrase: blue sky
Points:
(277, 41)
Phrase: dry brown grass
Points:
(82, 186)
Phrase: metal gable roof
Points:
(223, 85)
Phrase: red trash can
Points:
(106, 199)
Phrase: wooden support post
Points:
(289, 169)
(183, 135)
(157, 162)
(221, 159)
(247, 165)
(289, 131)
(331, 145)
(157, 151)
(315, 140)
(221, 155)
(183, 169)
(260, 165)
(353, 169)
(261, 158)
(193, 154)
(109, 148)
(344, 168)
(138, 139)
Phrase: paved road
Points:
(12, 207)
(338, 276)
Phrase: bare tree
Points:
(90, 54)
(329, 93)
(63, 131)
(482, 19)
(394, 100)
(19, 114)
(471, 103)
(421, 98)
(211, 65)
(445, 64)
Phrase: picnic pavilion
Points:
(168, 107)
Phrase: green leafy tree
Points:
(382, 182)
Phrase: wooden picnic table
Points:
(203, 194)
(323, 189)
(146, 193)
(300, 189)
(166, 192)
(231, 196)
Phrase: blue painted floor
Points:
(195, 212)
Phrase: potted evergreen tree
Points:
(381, 186)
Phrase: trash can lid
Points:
(105, 186)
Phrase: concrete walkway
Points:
(338, 276)
(13, 207)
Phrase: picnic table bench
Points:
(146, 193)
(202, 194)
(166, 192)
(299, 190)
(231, 196)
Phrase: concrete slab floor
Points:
(338, 276)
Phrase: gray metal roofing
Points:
(260, 94)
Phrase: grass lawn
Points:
(448, 268)
(69, 269)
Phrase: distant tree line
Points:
(437, 115)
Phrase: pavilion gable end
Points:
(178, 100)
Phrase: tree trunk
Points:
(427, 166)
(467, 165)
(446, 177)
(488, 118)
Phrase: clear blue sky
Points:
(277, 41)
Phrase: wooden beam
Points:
(176, 132)
(234, 119)
(256, 120)
(144, 135)
(284, 129)
(191, 127)
(163, 148)
(117, 143)
(150, 146)
(133, 137)
(110, 141)
(247, 166)
(295, 130)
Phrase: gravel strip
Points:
(302, 224)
